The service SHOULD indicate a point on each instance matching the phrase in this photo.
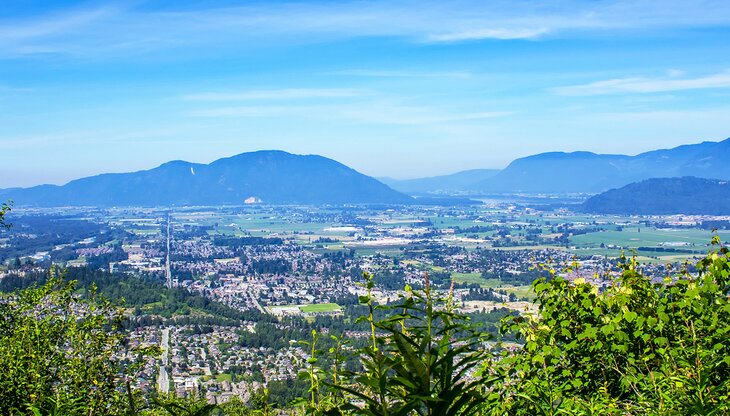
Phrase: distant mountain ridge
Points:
(279, 177)
(441, 184)
(586, 172)
(685, 195)
(270, 176)
(577, 172)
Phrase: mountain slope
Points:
(559, 172)
(441, 184)
(686, 195)
(272, 176)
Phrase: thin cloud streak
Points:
(479, 34)
(639, 85)
(379, 73)
(119, 31)
(668, 116)
(369, 113)
(277, 94)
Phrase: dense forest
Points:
(663, 196)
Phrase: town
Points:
(299, 266)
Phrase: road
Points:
(163, 379)
(256, 302)
(168, 274)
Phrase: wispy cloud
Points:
(382, 73)
(361, 112)
(53, 24)
(413, 116)
(117, 30)
(11, 89)
(477, 34)
(252, 111)
(647, 85)
(687, 117)
(277, 94)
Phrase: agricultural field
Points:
(471, 278)
(322, 307)
(303, 309)
(635, 237)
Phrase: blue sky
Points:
(401, 89)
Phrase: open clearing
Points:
(477, 278)
(311, 308)
(322, 307)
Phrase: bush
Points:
(638, 347)
(57, 352)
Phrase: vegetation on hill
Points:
(148, 300)
(686, 195)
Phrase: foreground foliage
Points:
(57, 353)
(423, 359)
(637, 347)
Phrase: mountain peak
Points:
(175, 164)
(273, 176)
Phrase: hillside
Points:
(273, 177)
(441, 184)
(586, 172)
(686, 195)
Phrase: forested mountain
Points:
(274, 177)
(686, 195)
(559, 172)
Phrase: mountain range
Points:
(586, 172)
(579, 172)
(274, 177)
(685, 195)
(278, 177)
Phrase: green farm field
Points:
(471, 278)
(322, 307)
(694, 239)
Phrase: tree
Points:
(58, 352)
(4, 210)
(423, 359)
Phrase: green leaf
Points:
(630, 316)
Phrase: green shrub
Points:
(57, 352)
(638, 347)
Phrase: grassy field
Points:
(635, 237)
(520, 291)
(451, 222)
(477, 278)
(265, 224)
(322, 307)
(534, 247)
(384, 250)
(644, 256)
(223, 377)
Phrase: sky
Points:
(401, 89)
